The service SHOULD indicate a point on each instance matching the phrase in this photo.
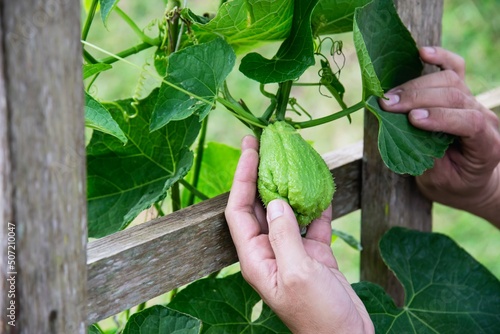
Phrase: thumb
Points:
(284, 234)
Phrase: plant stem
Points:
(98, 327)
(90, 18)
(192, 189)
(173, 29)
(231, 104)
(125, 53)
(329, 118)
(88, 57)
(141, 307)
(173, 293)
(282, 96)
(214, 274)
(307, 84)
(199, 158)
(145, 38)
(172, 4)
(158, 208)
(266, 116)
(176, 197)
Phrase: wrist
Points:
(488, 204)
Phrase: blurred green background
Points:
(470, 28)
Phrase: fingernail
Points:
(274, 210)
(419, 113)
(429, 49)
(391, 99)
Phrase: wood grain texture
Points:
(389, 199)
(147, 260)
(42, 64)
(6, 211)
(490, 99)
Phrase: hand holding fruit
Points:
(298, 277)
(468, 176)
(290, 169)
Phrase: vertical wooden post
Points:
(6, 213)
(42, 166)
(389, 199)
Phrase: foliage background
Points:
(470, 28)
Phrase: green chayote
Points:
(290, 169)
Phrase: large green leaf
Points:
(244, 23)
(295, 54)
(387, 53)
(388, 57)
(334, 16)
(97, 117)
(161, 319)
(404, 148)
(199, 69)
(124, 180)
(225, 305)
(217, 170)
(446, 290)
(107, 7)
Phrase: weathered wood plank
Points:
(5, 199)
(45, 124)
(389, 199)
(490, 99)
(144, 261)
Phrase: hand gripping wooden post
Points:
(389, 199)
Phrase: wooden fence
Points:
(61, 283)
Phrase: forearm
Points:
(485, 203)
(490, 208)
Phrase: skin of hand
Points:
(298, 277)
(468, 176)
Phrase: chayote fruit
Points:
(290, 169)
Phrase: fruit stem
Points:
(282, 97)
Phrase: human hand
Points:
(298, 277)
(468, 176)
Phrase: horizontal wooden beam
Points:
(147, 260)
(490, 99)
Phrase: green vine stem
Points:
(238, 110)
(329, 118)
(214, 274)
(173, 30)
(125, 53)
(199, 158)
(88, 57)
(90, 18)
(172, 4)
(176, 197)
(282, 97)
(193, 190)
(158, 208)
(141, 307)
(145, 38)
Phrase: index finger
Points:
(443, 58)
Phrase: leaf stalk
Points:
(329, 118)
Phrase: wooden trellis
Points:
(62, 284)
